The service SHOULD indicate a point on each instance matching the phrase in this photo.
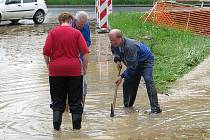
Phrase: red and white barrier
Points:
(109, 7)
(97, 12)
(103, 10)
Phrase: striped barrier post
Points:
(97, 13)
(103, 16)
(109, 7)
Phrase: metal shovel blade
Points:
(112, 111)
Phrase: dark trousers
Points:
(130, 85)
(62, 87)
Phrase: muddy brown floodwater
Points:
(25, 100)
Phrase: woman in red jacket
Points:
(61, 53)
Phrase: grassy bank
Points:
(176, 52)
(92, 2)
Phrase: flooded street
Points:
(24, 96)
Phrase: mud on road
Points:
(25, 98)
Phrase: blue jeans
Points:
(130, 85)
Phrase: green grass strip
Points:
(176, 52)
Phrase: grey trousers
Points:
(84, 86)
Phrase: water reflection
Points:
(25, 99)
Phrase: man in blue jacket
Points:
(139, 61)
(82, 23)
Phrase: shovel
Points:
(114, 99)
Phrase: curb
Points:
(74, 6)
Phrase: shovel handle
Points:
(115, 97)
(119, 70)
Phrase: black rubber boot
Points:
(156, 111)
(76, 120)
(57, 119)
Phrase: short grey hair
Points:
(116, 32)
(81, 15)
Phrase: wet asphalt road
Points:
(53, 13)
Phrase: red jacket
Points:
(63, 46)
